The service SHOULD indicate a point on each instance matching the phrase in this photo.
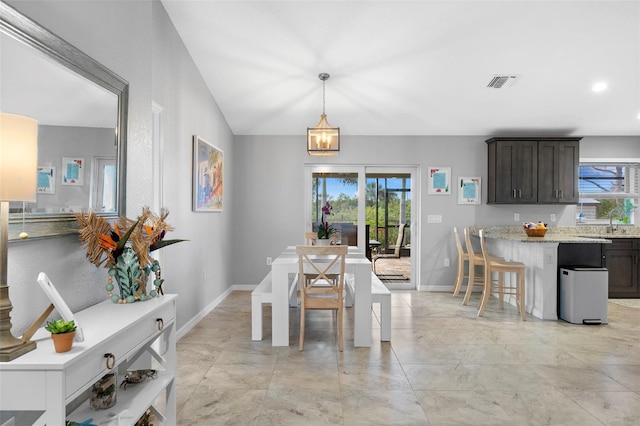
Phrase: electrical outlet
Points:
(269, 260)
(553, 217)
(446, 262)
(516, 217)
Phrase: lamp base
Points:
(13, 352)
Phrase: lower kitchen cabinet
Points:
(621, 259)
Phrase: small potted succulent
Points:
(62, 333)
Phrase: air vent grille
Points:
(502, 81)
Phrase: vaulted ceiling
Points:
(418, 67)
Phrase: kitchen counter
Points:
(540, 255)
(561, 234)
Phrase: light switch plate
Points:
(434, 218)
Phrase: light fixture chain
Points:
(323, 96)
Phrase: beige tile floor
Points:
(444, 366)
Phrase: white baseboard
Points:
(196, 319)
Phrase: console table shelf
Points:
(139, 335)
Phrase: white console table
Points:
(49, 388)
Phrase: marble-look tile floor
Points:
(444, 366)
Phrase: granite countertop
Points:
(560, 234)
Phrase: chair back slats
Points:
(321, 280)
(458, 243)
(472, 254)
(310, 238)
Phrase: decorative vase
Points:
(63, 342)
(132, 278)
(323, 242)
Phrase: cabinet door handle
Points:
(111, 361)
(514, 193)
(519, 193)
(561, 194)
(160, 324)
(555, 193)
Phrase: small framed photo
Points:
(46, 180)
(208, 176)
(439, 181)
(59, 303)
(469, 190)
(73, 171)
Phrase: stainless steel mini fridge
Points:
(584, 294)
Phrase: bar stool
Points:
(462, 258)
(501, 266)
(475, 259)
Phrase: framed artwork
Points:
(469, 190)
(439, 181)
(73, 171)
(46, 180)
(208, 176)
(59, 303)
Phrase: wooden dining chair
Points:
(310, 238)
(501, 267)
(321, 280)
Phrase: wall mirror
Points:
(81, 108)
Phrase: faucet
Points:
(610, 228)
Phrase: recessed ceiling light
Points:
(600, 86)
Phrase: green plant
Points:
(60, 326)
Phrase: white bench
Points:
(381, 294)
(260, 295)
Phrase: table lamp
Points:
(18, 174)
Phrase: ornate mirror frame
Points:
(33, 35)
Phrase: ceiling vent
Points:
(502, 81)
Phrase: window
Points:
(608, 190)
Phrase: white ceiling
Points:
(418, 67)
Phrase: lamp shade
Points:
(18, 157)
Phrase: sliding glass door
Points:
(366, 206)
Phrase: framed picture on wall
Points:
(46, 180)
(73, 171)
(208, 176)
(439, 181)
(469, 190)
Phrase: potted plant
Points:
(325, 231)
(62, 333)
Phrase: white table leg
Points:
(362, 313)
(279, 305)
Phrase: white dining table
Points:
(287, 263)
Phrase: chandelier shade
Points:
(322, 139)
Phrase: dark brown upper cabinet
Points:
(533, 170)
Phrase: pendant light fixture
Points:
(323, 139)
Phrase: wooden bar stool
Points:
(475, 259)
(501, 267)
(462, 258)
